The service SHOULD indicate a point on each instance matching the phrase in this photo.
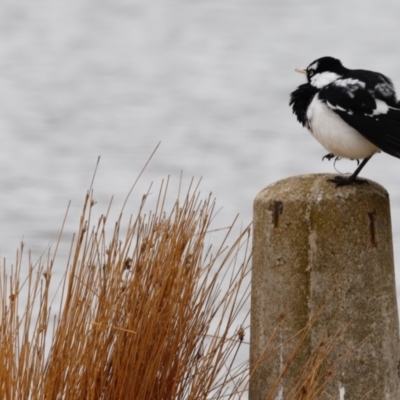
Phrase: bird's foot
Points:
(342, 180)
(329, 156)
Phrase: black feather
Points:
(300, 99)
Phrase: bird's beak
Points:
(301, 70)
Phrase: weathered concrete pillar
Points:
(323, 259)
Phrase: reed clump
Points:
(143, 312)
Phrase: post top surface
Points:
(302, 186)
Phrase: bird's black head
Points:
(324, 64)
(323, 71)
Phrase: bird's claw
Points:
(329, 156)
(342, 180)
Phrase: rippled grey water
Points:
(209, 79)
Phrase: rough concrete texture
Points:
(323, 256)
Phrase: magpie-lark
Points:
(353, 113)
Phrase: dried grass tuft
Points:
(143, 314)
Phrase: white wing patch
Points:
(381, 107)
(331, 106)
(350, 86)
(350, 82)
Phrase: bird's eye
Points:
(311, 72)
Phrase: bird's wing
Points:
(373, 118)
(378, 84)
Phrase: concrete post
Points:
(323, 259)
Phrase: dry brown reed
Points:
(143, 313)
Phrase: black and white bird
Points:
(353, 113)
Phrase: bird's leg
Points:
(329, 156)
(342, 180)
(334, 163)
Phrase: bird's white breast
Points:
(335, 134)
